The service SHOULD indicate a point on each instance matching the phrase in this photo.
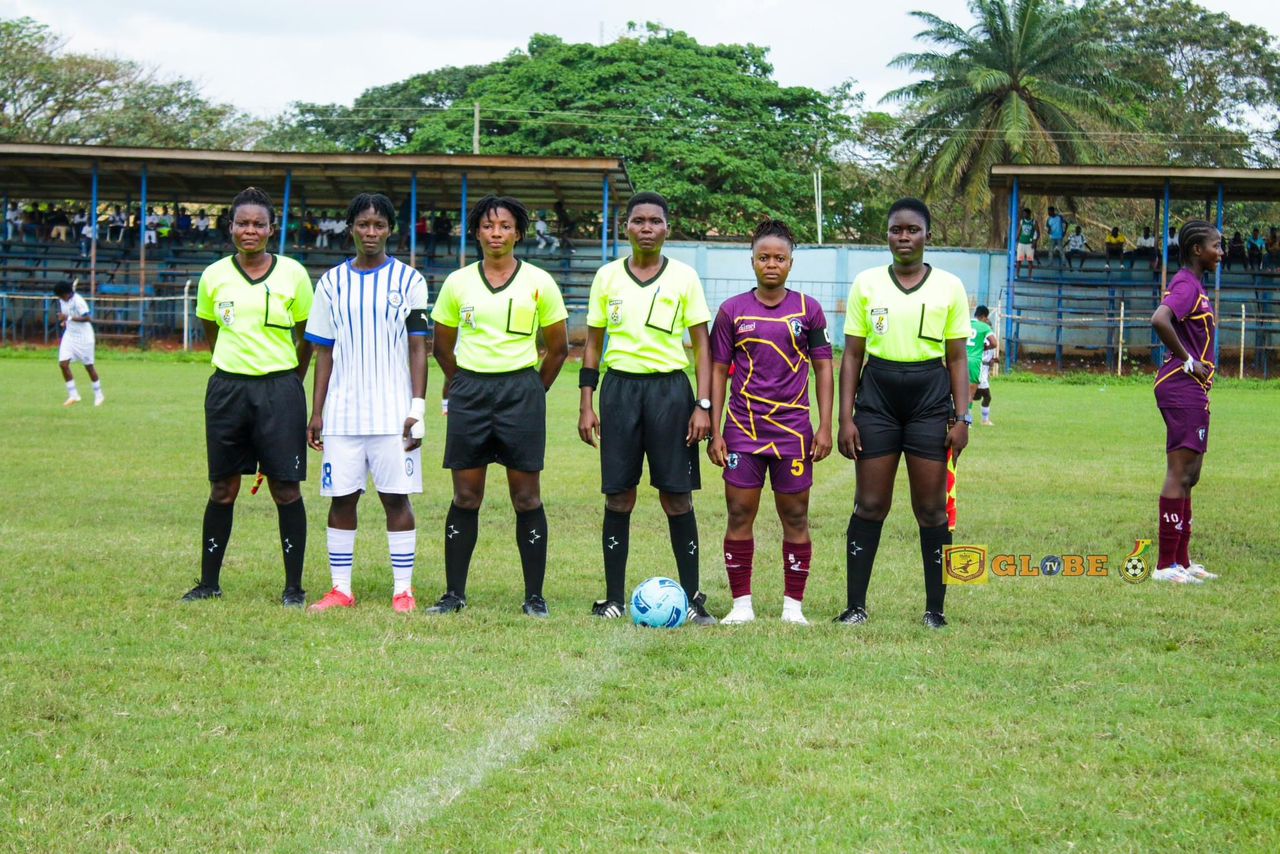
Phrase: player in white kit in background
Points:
(369, 328)
(77, 342)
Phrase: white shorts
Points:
(984, 376)
(76, 350)
(349, 460)
(1027, 252)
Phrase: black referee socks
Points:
(460, 529)
(862, 541)
(213, 543)
(293, 541)
(932, 541)
(616, 540)
(531, 539)
(684, 544)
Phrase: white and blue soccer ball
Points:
(659, 603)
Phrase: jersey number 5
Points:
(797, 467)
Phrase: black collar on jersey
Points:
(510, 279)
(235, 260)
(658, 275)
(928, 268)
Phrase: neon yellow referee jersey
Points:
(907, 326)
(498, 328)
(646, 321)
(255, 317)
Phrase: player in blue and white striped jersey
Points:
(369, 325)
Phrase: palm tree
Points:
(1024, 84)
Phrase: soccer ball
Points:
(659, 603)
(1134, 567)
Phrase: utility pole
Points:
(475, 130)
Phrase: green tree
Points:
(706, 125)
(382, 118)
(48, 94)
(1207, 86)
(1022, 85)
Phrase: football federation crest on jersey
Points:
(394, 299)
(880, 320)
(615, 312)
(797, 328)
(732, 461)
(227, 313)
(468, 316)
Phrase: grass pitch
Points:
(1054, 713)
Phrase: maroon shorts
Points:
(747, 471)
(1186, 427)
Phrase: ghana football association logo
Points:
(1136, 569)
(964, 564)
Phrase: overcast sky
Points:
(262, 54)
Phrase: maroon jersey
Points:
(1194, 325)
(770, 350)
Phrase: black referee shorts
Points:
(903, 407)
(496, 418)
(647, 415)
(256, 424)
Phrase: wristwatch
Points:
(968, 419)
(704, 404)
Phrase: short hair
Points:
(773, 228)
(981, 311)
(251, 196)
(488, 205)
(1052, 209)
(63, 288)
(908, 203)
(648, 198)
(1026, 210)
(1194, 232)
(380, 204)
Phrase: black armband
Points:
(588, 378)
(819, 338)
(417, 321)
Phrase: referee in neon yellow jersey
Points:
(253, 305)
(903, 378)
(487, 317)
(646, 302)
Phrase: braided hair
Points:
(490, 204)
(1193, 233)
(379, 203)
(253, 196)
(773, 228)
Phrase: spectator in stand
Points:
(1146, 247)
(324, 227)
(441, 232)
(59, 226)
(200, 227)
(116, 224)
(152, 233)
(88, 231)
(164, 225)
(1273, 250)
(1077, 246)
(568, 229)
(182, 226)
(545, 237)
(12, 221)
(78, 221)
(1057, 227)
(1028, 234)
(1256, 247)
(421, 229)
(1236, 252)
(32, 225)
(1115, 243)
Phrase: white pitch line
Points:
(422, 800)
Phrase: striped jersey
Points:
(79, 331)
(361, 315)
